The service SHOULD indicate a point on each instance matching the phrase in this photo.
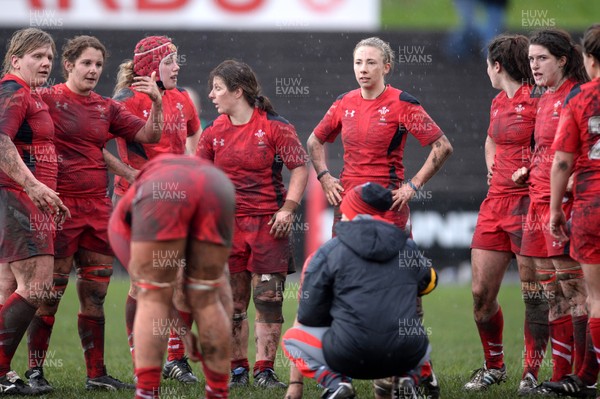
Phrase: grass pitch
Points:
(448, 316)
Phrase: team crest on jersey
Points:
(220, 142)
(41, 236)
(101, 109)
(349, 113)
(260, 134)
(38, 105)
(519, 108)
(382, 111)
(556, 107)
(60, 105)
(179, 106)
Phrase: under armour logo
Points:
(217, 142)
(63, 105)
(556, 244)
(146, 113)
(349, 113)
(38, 104)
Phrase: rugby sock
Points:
(240, 363)
(148, 383)
(561, 337)
(262, 365)
(579, 337)
(15, 316)
(328, 378)
(130, 308)
(91, 333)
(490, 333)
(216, 384)
(176, 349)
(426, 369)
(588, 373)
(38, 339)
(536, 333)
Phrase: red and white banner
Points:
(271, 15)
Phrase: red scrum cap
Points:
(149, 52)
(367, 199)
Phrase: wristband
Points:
(412, 185)
(323, 173)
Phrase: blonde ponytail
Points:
(125, 76)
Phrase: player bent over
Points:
(178, 214)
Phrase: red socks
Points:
(91, 332)
(561, 337)
(240, 363)
(148, 383)
(262, 365)
(38, 339)
(588, 373)
(130, 308)
(176, 350)
(216, 384)
(579, 337)
(15, 316)
(490, 333)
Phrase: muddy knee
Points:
(573, 286)
(54, 295)
(268, 298)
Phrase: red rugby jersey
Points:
(82, 124)
(579, 133)
(546, 122)
(374, 134)
(512, 121)
(252, 156)
(24, 117)
(180, 121)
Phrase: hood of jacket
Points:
(370, 238)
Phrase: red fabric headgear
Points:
(367, 199)
(148, 54)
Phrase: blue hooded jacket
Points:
(364, 284)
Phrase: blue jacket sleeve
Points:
(317, 293)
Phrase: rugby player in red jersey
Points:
(29, 205)
(251, 144)
(178, 213)
(577, 149)
(557, 65)
(374, 122)
(499, 228)
(180, 135)
(82, 121)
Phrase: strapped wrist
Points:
(321, 174)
